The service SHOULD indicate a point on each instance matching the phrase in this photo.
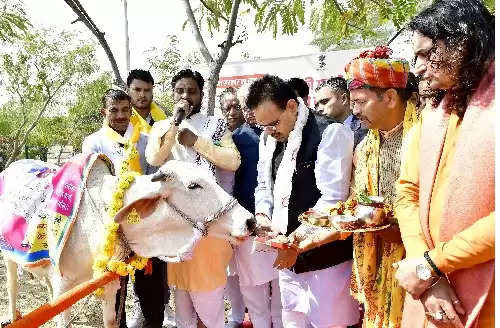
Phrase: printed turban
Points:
(374, 68)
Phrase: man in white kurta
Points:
(252, 271)
(115, 139)
(193, 137)
(98, 142)
(303, 162)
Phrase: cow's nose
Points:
(251, 224)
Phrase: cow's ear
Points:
(144, 207)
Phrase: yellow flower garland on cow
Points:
(129, 169)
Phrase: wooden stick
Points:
(49, 310)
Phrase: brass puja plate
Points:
(350, 216)
(316, 219)
(346, 223)
(271, 242)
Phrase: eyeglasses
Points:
(272, 126)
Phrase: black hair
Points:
(139, 74)
(226, 91)
(337, 83)
(187, 73)
(466, 25)
(412, 83)
(300, 86)
(269, 88)
(113, 94)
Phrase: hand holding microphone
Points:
(180, 110)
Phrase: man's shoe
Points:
(233, 324)
(168, 317)
(137, 319)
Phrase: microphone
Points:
(179, 116)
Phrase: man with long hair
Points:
(446, 191)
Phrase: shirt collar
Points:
(387, 134)
(348, 120)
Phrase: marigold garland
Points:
(104, 261)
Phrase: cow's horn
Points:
(158, 176)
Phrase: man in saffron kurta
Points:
(446, 192)
(379, 99)
(206, 142)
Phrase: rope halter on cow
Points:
(200, 225)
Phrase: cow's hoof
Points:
(4, 324)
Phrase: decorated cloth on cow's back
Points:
(39, 203)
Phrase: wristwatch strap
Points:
(432, 264)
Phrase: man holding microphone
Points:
(193, 137)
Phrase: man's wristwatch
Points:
(423, 272)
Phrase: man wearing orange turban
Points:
(379, 98)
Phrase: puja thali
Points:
(365, 214)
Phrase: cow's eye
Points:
(194, 185)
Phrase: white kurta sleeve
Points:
(263, 191)
(90, 146)
(334, 164)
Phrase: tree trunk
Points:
(213, 79)
(127, 47)
(61, 151)
(14, 153)
(85, 18)
(215, 66)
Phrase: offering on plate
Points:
(347, 222)
(363, 212)
(315, 218)
(279, 241)
(372, 210)
(343, 208)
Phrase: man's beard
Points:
(196, 109)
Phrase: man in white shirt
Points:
(116, 132)
(114, 140)
(302, 164)
(332, 100)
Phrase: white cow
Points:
(175, 205)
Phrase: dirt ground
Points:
(33, 294)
